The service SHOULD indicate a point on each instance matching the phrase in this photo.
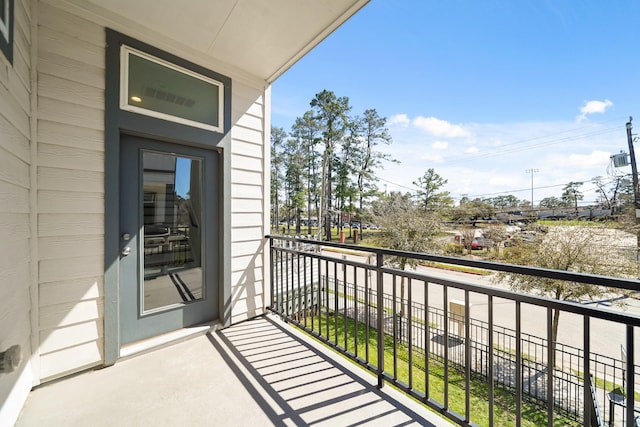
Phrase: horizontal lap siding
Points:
(247, 204)
(15, 220)
(70, 191)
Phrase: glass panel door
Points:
(168, 262)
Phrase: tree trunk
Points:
(329, 200)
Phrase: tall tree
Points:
(609, 192)
(405, 227)
(472, 210)
(346, 166)
(373, 132)
(571, 195)
(429, 194)
(505, 201)
(295, 164)
(331, 114)
(307, 130)
(278, 136)
(550, 202)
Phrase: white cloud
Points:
(399, 119)
(439, 127)
(471, 150)
(432, 157)
(440, 145)
(592, 107)
(595, 158)
(493, 160)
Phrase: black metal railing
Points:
(416, 331)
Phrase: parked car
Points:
(481, 243)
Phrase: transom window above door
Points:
(157, 88)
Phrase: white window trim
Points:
(4, 26)
(125, 51)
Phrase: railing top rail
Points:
(569, 276)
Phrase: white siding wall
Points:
(247, 202)
(15, 228)
(71, 73)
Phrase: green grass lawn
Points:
(504, 400)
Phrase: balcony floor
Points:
(257, 373)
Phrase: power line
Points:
(608, 181)
(501, 151)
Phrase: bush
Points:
(453, 248)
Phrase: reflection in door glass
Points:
(172, 212)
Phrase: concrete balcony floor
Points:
(257, 373)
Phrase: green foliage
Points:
(307, 130)
(550, 202)
(278, 136)
(503, 201)
(571, 194)
(430, 195)
(370, 132)
(578, 249)
(404, 227)
(453, 249)
(472, 210)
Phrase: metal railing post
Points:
(630, 380)
(271, 274)
(380, 317)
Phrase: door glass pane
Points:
(172, 215)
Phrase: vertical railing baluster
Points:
(394, 312)
(336, 308)
(467, 358)
(445, 299)
(367, 305)
(427, 340)
(307, 286)
(551, 355)
(356, 318)
(281, 287)
(490, 361)
(344, 303)
(380, 319)
(518, 364)
(630, 380)
(300, 282)
(588, 404)
(271, 273)
(326, 294)
(409, 324)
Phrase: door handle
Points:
(125, 251)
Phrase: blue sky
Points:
(483, 91)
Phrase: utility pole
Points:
(634, 176)
(532, 171)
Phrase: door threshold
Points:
(165, 340)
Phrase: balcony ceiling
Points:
(260, 37)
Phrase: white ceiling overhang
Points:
(260, 37)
